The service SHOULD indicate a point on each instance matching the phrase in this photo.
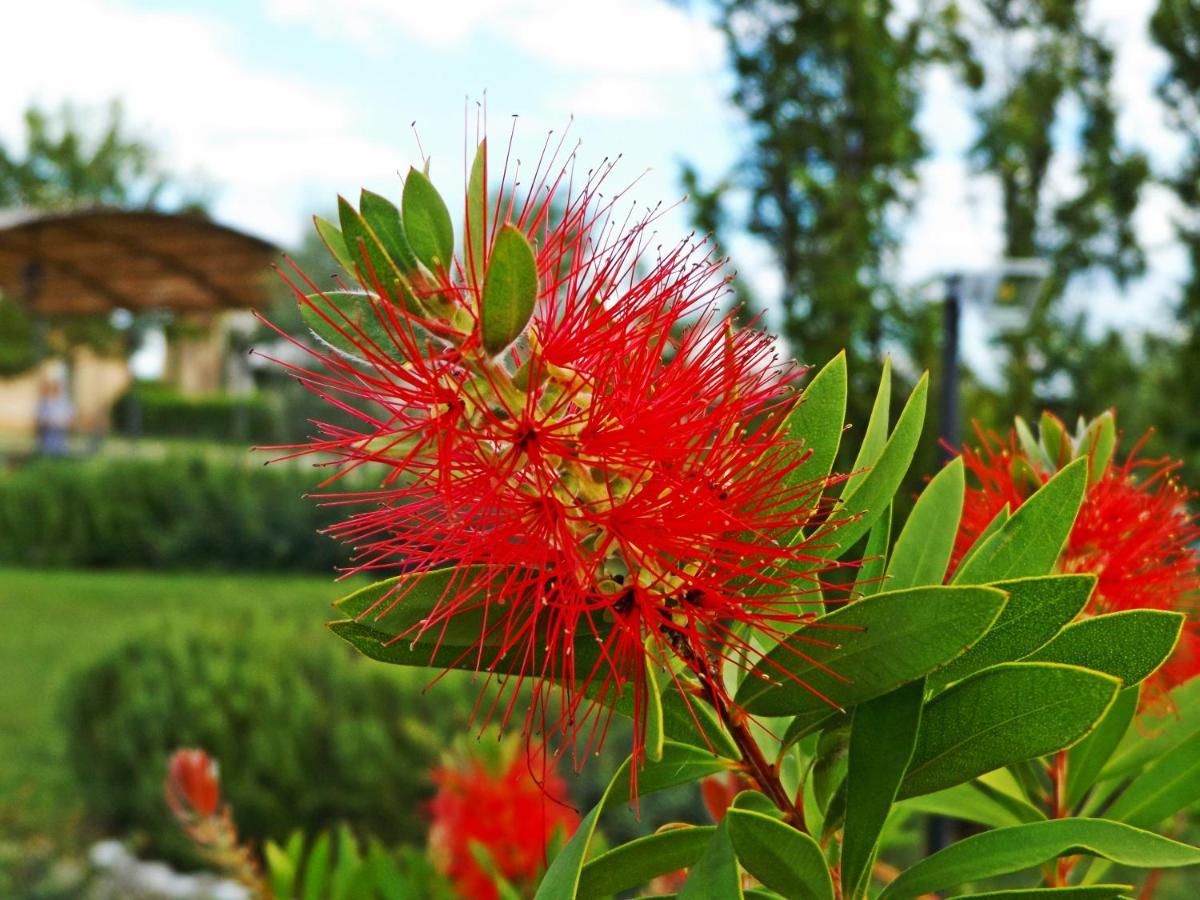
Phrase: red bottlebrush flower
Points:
(504, 812)
(193, 786)
(1134, 532)
(615, 480)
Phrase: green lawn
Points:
(54, 622)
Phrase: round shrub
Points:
(305, 735)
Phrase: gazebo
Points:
(96, 261)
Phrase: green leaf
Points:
(1089, 892)
(870, 576)
(715, 876)
(883, 735)
(654, 715)
(1171, 783)
(689, 721)
(283, 865)
(875, 437)
(1032, 446)
(975, 801)
(427, 222)
(992, 527)
(680, 764)
(510, 290)
(1129, 645)
(1055, 440)
(817, 420)
(316, 869)
(348, 872)
(384, 218)
(1087, 758)
(1030, 541)
(373, 265)
(335, 243)
(1022, 847)
(1156, 734)
(868, 648)
(1098, 444)
(782, 858)
(1036, 611)
(922, 551)
(475, 234)
(1001, 716)
(639, 861)
(860, 508)
(347, 322)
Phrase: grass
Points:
(54, 622)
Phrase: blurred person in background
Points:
(54, 417)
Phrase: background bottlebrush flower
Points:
(602, 457)
(192, 786)
(1134, 530)
(495, 814)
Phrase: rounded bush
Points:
(305, 736)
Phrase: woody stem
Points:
(763, 772)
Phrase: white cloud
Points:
(619, 36)
(260, 136)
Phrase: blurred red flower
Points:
(193, 785)
(1134, 532)
(507, 813)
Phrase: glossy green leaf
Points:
(1077, 892)
(1129, 645)
(870, 576)
(883, 735)
(1030, 541)
(715, 876)
(1001, 716)
(1022, 847)
(880, 643)
(875, 436)
(691, 721)
(975, 801)
(922, 551)
(817, 420)
(384, 218)
(475, 234)
(1087, 758)
(860, 509)
(782, 858)
(639, 861)
(1036, 611)
(510, 290)
(991, 528)
(1170, 784)
(1159, 731)
(427, 222)
(680, 764)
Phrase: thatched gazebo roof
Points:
(97, 260)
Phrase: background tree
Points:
(1037, 68)
(829, 91)
(1175, 27)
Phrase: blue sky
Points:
(281, 104)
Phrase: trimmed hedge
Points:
(178, 512)
(157, 411)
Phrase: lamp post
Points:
(1006, 291)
